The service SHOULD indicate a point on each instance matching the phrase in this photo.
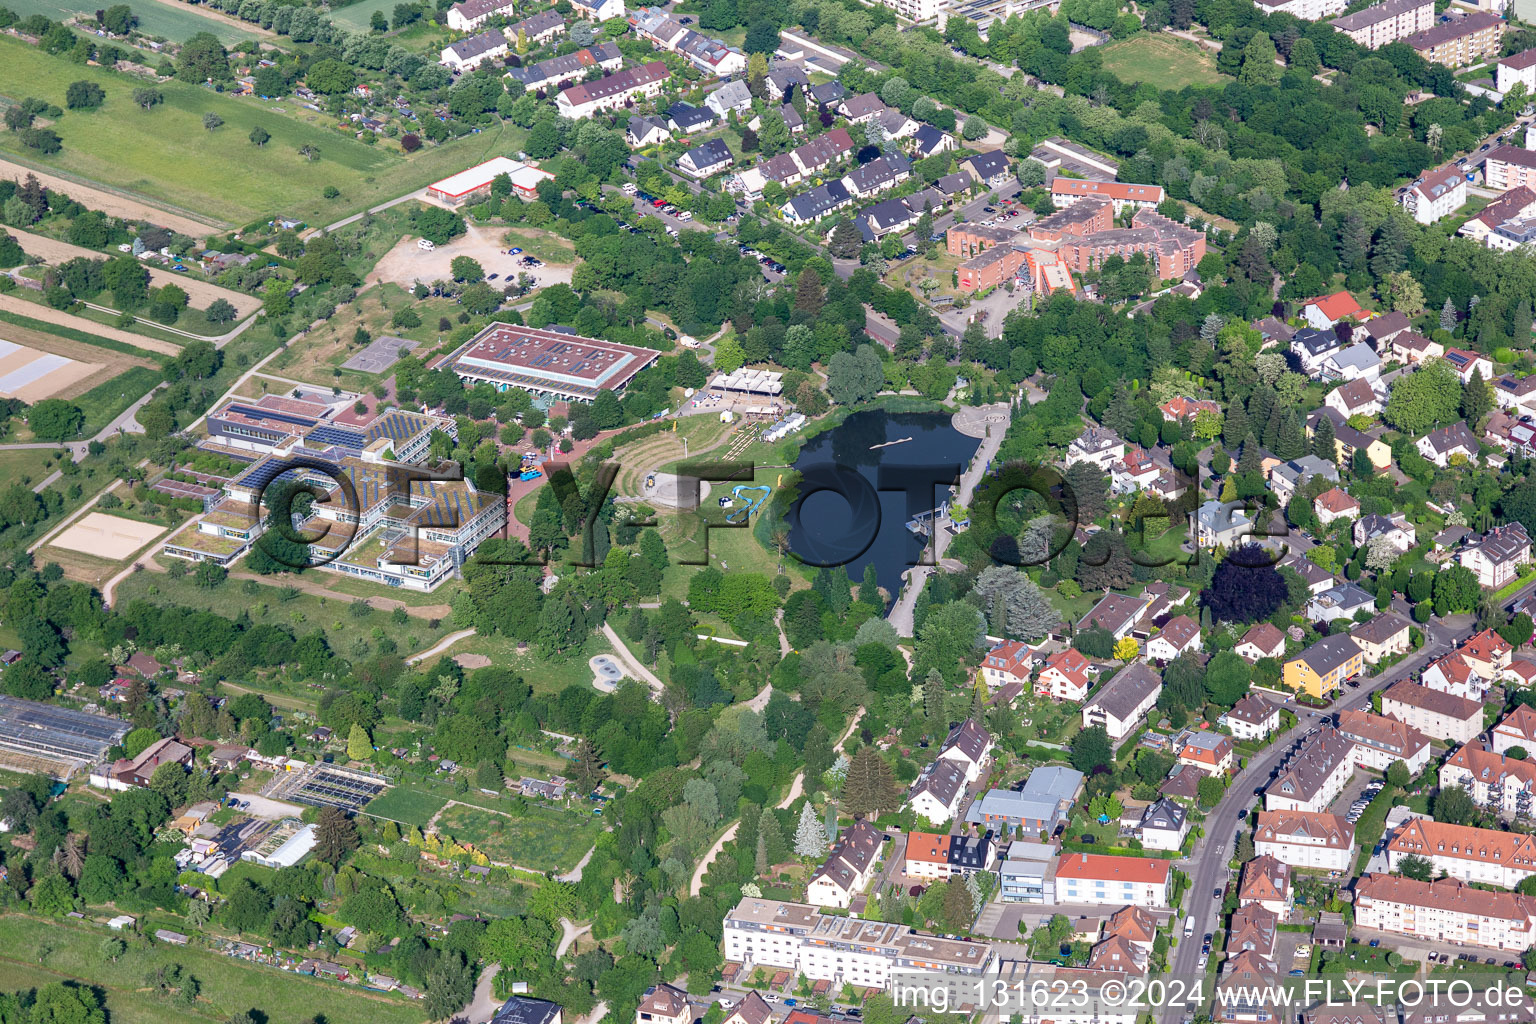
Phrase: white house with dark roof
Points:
(1285, 478)
(1355, 397)
(1263, 640)
(1219, 525)
(1497, 556)
(1252, 718)
(730, 96)
(1118, 613)
(471, 14)
(1437, 193)
(646, 130)
(968, 745)
(1356, 362)
(1339, 602)
(708, 159)
(1313, 345)
(468, 54)
(1395, 527)
(937, 793)
(1121, 704)
(1518, 729)
(1163, 825)
(848, 868)
(1440, 446)
(991, 168)
(1178, 636)
(1099, 446)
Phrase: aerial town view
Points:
(768, 512)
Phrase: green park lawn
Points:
(166, 154)
(1164, 61)
(229, 986)
(542, 838)
(176, 23)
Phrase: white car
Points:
(1204, 959)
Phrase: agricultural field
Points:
(406, 804)
(229, 986)
(167, 18)
(542, 838)
(64, 367)
(1163, 61)
(237, 182)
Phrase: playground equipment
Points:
(530, 474)
(741, 515)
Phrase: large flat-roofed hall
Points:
(549, 362)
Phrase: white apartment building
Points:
(1466, 854)
(1384, 23)
(840, 950)
(1492, 780)
(1379, 741)
(914, 10)
(1445, 911)
(1306, 10)
(1517, 67)
(1316, 775)
(1305, 839)
(1439, 193)
(1121, 704)
(1114, 881)
(1518, 729)
(1435, 714)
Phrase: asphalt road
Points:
(1207, 867)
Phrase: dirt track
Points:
(111, 202)
(201, 293)
(11, 304)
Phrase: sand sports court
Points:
(104, 536)
(31, 376)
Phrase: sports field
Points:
(154, 153)
(175, 21)
(114, 537)
(1161, 60)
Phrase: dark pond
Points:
(856, 499)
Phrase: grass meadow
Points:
(165, 153)
(1163, 61)
(176, 23)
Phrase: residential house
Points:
(753, 1009)
(1443, 716)
(927, 855)
(1099, 446)
(1488, 653)
(1495, 781)
(1261, 641)
(970, 854)
(879, 174)
(938, 790)
(992, 168)
(1252, 928)
(784, 79)
(1385, 635)
(1285, 478)
(1438, 193)
(865, 106)
(929, 141)
(1445, 911)
(1333, 504)
(566, 69)
(1497, 557)
(664, 1004)
(1347, 440)
(1121, 704)
(1313, 345)
(1328, 310)
(1114, 881)
(1117, 613)
(1413, 349)
(617, 90)
(688, 119)
(1180, 409)
(1517, 67)
(1322, 668)
(1219, 525)
(1135, 925)
(1315, 775)
(1252, 718)
(1516, 205)
(1038, 808)
(730, 96)
(1179, 635)
(519, 1009)
(1356, 362)
(537, 29)
(1379, 741)
(848, 868)
(702, 161)
(1518, 729)
(1123, 195)
(1064, 677)
(468, 54)
(1397, 532)
(1355, 397)
(135, 772)
(598, 10)
(471, 14)
(1115, 954)
(1339, 602)
(1266, 881)
(1163, 825)
(646, 130)
(1210, 752)
(895, 125)
(1008, 663)
(968, 745)
(1477, 856)
(1516, 394)
(1382, 329)
(1467, 363)
(817, 203)
(1305, 839)
(1452, 674)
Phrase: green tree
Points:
(260, 136)
(84, 95)
(1092, 750)
(359, 745)
(1452, 804)
(1259, 67)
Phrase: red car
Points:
(658, 203)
